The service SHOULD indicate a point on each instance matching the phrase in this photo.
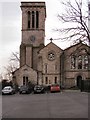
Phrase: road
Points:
(51, 105)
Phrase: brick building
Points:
(48, 64)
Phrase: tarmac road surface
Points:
(50, 105)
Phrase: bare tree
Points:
(77, 17)
(15, 57)
(9, 69)
(13, 64)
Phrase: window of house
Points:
(55, 80)
(37, 19)
(25, 80)
(45, 68)
(83, 62)
(86, 62)
(46, 80)
(33, 19)
(73, 62)
(28, 19)
(79, 62)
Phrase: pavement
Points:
(66, 104)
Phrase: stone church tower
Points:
(33, 32)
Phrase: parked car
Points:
(8, 90)
(24, 89)
(55, 88)
(39, 89)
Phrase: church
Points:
(46, 65)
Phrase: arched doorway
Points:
(79, 81)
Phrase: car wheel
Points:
(11, 93)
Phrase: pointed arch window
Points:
(37, 19)
(25, 80)
(46, 68)
(33, 19)
(46, 80)
(73, 62)
(79, 62)
(86, 62)
(28, 19)
(55, 80)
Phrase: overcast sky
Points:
(10, 24)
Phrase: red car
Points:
(55, 88)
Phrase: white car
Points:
(8, 90)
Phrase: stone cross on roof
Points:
(51, 39)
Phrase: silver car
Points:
(8, 90)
